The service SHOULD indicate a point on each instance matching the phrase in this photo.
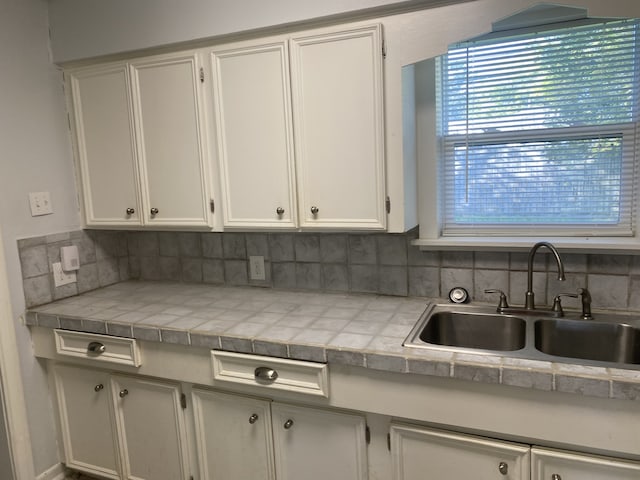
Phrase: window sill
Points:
(611, 245)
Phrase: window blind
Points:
(538, 132)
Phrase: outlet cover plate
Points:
(256, 267)
(60, 277)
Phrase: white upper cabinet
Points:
(300, 144)
(338, 123)
(171, 146)
(255, 138)
(140, 141)
(105, 145)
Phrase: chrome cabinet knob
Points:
(503, 468)
(98, 387)
(288, 424)
(131, 211)
(280, 211)
(96, 347)
(123, 393)
(555, 476)
(265, 374)
(314, 210)
(253, 418)
(154, 211)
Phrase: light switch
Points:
(40, 203)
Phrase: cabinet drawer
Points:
(270, 373)
(102, 348)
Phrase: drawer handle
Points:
(98, 387)
(288, 424)
(555, 476)
(253, 419)
(266, 374)
(503, 468)
(96, 347)
(123, 393)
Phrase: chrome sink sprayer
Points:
(529, 303)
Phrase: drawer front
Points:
(102, 348)
(270, 373)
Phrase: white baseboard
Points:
(57, 472)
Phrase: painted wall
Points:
(35, 156)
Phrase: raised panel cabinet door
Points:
(151, 429)
(254, 133)
(105, 145)
(171, 142)
(547, 464)
(233, 436)
(86, 420)
(423, 454)
(337, 102)
(317, 444)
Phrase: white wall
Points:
(35, 155)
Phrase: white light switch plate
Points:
(60, 277)
(40, 203)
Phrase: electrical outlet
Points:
(256, 267)
(40, 203)
(60, 277)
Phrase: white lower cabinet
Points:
(423, 454)
(121, 427)
(549, 464)
(241, 437)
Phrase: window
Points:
(537, 132)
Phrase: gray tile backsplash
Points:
(336, 262)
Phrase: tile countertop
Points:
(352, 329)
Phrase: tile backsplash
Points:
(338, 262)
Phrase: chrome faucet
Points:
(529, 303)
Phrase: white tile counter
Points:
(349, 329)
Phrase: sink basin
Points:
(588, 340)
(475, 330)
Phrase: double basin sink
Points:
(610, 341)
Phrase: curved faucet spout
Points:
(529, 302)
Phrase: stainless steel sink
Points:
(608, 341)
(475, 330)
(590, 340)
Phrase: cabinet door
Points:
(254, 132)
(171, 144)
(318, 444)
(557, 465)
(151, 426)
(233, 436)
(84, 404)
(424, 454)
(338, 125)
(105, 145)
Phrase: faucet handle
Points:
(557, 306)
(503, 299)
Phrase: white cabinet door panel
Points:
(255, 139)
(233, 436)
(424, 454)
(338, 123)
(314, 444)
(152, 430)
(105, 145)
(574, 466)
(171, 145)
(88, 433)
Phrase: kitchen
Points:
(34, 98)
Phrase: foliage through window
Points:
(537, 132)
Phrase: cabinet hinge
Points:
(201, 75)
(212, 204)
(367, 434)
(183, 400)
(389, 441)
(384, 49)
(387, 205)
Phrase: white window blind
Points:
(538, 132)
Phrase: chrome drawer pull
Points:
(266, 374)
(96, 347)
